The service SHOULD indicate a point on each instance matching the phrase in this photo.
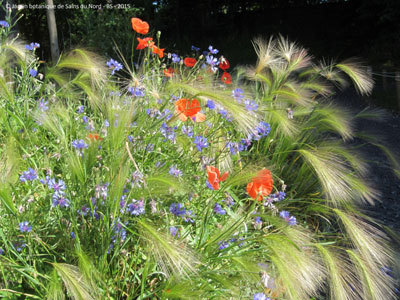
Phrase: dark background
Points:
(330, 29)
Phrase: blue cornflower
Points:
(213, 62)
(281, 196)
(201, 142)
(174, 231)
(210, 104)
(175, 172)
(33, 72)
(1, 251)
(238, 94)
(222, 245)
(4, 24)
(260, 296)
(188, 216)
(194, 48)
(290, 219)
(114, 65)
(187, 130)
(136, 208)
(83, 211)
(168, 132)
(250, 105)
(106, 123)
(43, 105)
(73, 236)
(25, 227)
(212, 50)
(233, 147)
(60, 200)
(57, 187)
(85, 119)
(32, 46)
(80, 109)
(246, 143)
(28, 175)
(177, 209)
(175, 58)
(263, 129)
(218, 209)
(79, 144)
(138, 92)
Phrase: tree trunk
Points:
(51, 23)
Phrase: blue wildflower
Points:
(73, 236)
(174, 231)
(212, 50)
(194, 48)
(238, 94)
(281, 196)
(136, 208)
(57, 187)
(260, 296)
(79, 144)
(32, 46)
(80, 109)
(175, 172)
(85, 119)
(233, 147)
(25, 227)
(201, 142)
(290, 219)
(114, 65)
(4, 24)
(60, 200)
(177, 209)
(33, 72)
(210, 104)
(250, 105)
(168, 132)
(29, 175)
(219, 210)
(106, 123)
(1, 251)
(222, 245)
(175, 58)
(83, 211)
(187, 130)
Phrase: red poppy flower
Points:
(224, 63)
(189, 108)
(214, 177)
(94, 137)
(226, 78)
(261, 185)
(169, 72)
(189, 62)
(158, 51)
(143, 43)
(140, 26)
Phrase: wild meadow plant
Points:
(165, 177)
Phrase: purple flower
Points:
(139, 92)
(60, 200)
(4, 24)
(194, 48)
(79, 144)
(85, 119)
(43, 105)
(233, 147)
(177, 209)
(29, 175)
(136, 208)
(106, 123)
(57, 187)
(175, 58)
(25, 227)
(260, 296)
(201, 142)
(174, 231)
(209, 185)
(238, 94)
(83, 211)
(210, 104)
(250, 105)
(262, 130)
(218, 209)
(32, 46)
(212, 50)
(187, 130)
(1, 251)
(73, 236)
(290, 219)
(33, 72)
(222, 245)
(175, 172)
(114, 65)
(281, 196)
(168, 132)
(80, 109)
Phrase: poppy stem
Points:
(133, 44)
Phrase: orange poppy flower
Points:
(158, 51)
(169, 72)
(143, 43)
(94, 137)
(261, 185)
(226, 78)
(140, 26)
(189, 108)
(224, 63)
(214, 177)
(189, 62)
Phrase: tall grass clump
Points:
(165, 177)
